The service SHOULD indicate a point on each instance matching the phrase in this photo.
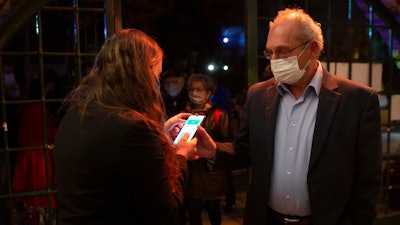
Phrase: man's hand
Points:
(206, 147)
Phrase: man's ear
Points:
(314, 49)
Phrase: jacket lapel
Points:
(328, 102)
(271, 109)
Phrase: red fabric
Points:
(217, 117)
(30, 167)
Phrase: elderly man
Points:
(313, 138)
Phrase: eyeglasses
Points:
(281, 52)
(197, 89)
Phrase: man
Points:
(174, 95)
(313, 138)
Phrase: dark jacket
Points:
(110, 171)
(211, 180)
(344, 174)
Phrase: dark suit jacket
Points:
(111, 171)
(344, 173)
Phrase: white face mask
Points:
(173, 90)
(287, 70)
(198, 98)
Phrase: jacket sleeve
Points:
(368, 173)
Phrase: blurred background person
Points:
(11, 87)
(30, 166)
(208, 179)
(12, 92)
(174, 93)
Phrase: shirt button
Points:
(293, 124)
(288, 172)
(291, 148)
(287, 197)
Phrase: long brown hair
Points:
(122, 81)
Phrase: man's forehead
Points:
(283, 35)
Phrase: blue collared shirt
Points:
(293, 140)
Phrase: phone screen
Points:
(190, 127)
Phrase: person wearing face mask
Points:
(208, 179)
(313, 139)
(173, 92)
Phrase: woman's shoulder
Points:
(107, 127)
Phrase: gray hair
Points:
(311, 29)
(208, 82)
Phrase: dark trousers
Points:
(212, 207)
(231, 195)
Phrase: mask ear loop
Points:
(301, 53)
(304, 49)
(308, 63)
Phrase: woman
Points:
(114, 162)
(208, 179)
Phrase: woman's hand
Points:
(206, 147)
(174, 124)
(187, 148)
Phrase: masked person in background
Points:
(174, 93)
(208, 179)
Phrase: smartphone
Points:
(190, 127)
